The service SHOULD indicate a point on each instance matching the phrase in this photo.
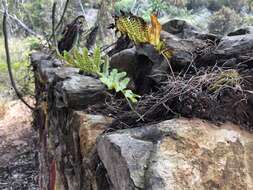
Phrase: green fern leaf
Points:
(131, 96)
(68, 58)
(97, 61)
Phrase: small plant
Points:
(117, 81)
(126, 5)
(82, 60)
(229, 78)
(137, 29)
(114, 80)
(224, 21)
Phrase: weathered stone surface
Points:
(235, 45)
(59, 90)
(180, 28)
(242, 31)
(125, 159)
(91, 126)
(79, 91)
(179, 154)
(184, 30)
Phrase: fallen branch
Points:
(20, 23)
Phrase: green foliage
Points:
(124, 5)
(33, 42)
(229, 78)
(216, 5)
(36, 14)
(82, 60)
(196, 4)
(224, 21)
(19, 49)
(248, 20)
(158, 5)
(134, 27)
(117, 81)
(114, 80)
(174, 11)
(178, 3)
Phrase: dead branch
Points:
(8, 61)
(53, 23)
(20, 23)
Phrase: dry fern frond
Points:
(132, 26)
(154, 32)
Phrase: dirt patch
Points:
(18, 162)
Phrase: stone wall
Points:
(76, 152)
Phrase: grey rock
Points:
(242, 31)
(125, 159)
(78, 92)
(180, 28)
(178, 154)
(235, 45)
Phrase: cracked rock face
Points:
(178, 154)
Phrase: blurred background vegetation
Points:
(214, 16)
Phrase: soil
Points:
(18, 154)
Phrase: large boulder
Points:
(178, 154)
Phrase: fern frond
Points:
(132, 26)
(68, 58)
(97, 61)
(140, 32)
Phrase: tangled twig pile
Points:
(214, 94)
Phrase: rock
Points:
(184, 30)
(242, 31)
(125, 60)
(136, 62)
(91, 126)
(129, 155)
(78, 91)
(235, 45)
(180, 28)
(178, 154)
(37, 57)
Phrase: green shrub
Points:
(196, 4)
(248, 20)
(237, 5)
(224, 21)
(124, 5)
(174, 11)
(178, 3)
(117, 81)
(19, 50)
(33, 43)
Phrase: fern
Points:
(83, 61)
(97, 60)
(117, 81)
(132, 26)
(114, 80)
(140, 32)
